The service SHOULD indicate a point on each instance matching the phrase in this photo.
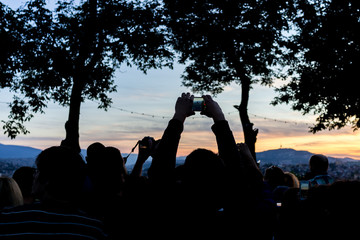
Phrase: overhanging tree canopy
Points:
(326, 75)
(230, 41)
(71, 54)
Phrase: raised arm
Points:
(225, 140)
(163, 164)
(145, 149)
(247, 198)
(234, 157)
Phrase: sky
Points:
(144, 104)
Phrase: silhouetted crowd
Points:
(212, 195)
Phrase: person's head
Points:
(318, 164)
(203, 175)
(274, 176)
(94, 152)
(291, 180)
(60, 174)
(24, 176)
(10, 193)
(202, 164)
(115, 165)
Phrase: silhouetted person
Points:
(309, 207)
(114, 171)
(95, 155)
(58, 185)
(203, 182)
(344, 209)
(10, 193)
(147, 148)
(116, 197)
(106, 168)
(283, 182)
(274, 176)
(193, 194)
(107, 172)
(24, 176)
(291, 180)
(330, 212)
(289, 191)
(318, 174)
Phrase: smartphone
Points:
(198, 104)
(304, 189)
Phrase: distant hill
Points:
(23, 155)
(15, 151)
(18, 155)
(290, 156)
(282, 156)
(12, 157)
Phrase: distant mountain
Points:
(18, 155)
(282, 156)
(290, 156)
(26, 156)
(15, 151)
(23, 155)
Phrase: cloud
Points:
(229, 88)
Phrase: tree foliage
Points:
(71, 54)
(228, 41)
(325, 76)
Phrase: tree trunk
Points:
(82, 68)
(72, 125)
(250, 134)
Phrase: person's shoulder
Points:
(19, 213)
(321, 180)
(21, 208)
(49, 220)
(41, 209)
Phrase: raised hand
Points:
(183, 107)
(212, 109)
